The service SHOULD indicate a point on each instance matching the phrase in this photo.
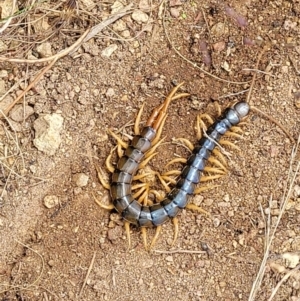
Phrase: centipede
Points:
(133, 207)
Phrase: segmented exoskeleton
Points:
(140, 150)
(178, 198)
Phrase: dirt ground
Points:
(46, 253)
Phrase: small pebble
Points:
(125, 34)
(77, 190)
(51, 201)
(208, 202)
(108, 51)
(47, 133)
(169, 258)
(110, 92)
(44, 49)
(119, 26)
(222, 284)
(20, 113)
(139, 16)
(81, 179)
(117, 5)
(175, 12)
(219, 29)
(51, 263)
(3, 73)
(288, 24)
(219, 46)
(216, 222)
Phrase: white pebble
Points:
(81, 179)
(51, 201)
(139, 16)
(108, 51)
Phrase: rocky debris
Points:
(219, 29)
(110, 92)
(108, 51)
(115, 233)
(47, 133)
(91, 48)
(289, 25)
(139, 16)
(3, 73)
(119, 26)
(175, 12)
(219, 46)
(80, 179)
(116, 7)
(41, 23)
(20, 112)
(51, 201)
(44, 49)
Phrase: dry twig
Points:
(292, 175)
(50, 58)
(37, 78)
(87, 274)
(99, 27)
(179, 251)
(6, 24)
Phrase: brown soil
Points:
(45, 253)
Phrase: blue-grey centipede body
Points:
(147, 216)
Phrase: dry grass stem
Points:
(6, 24)
(37, 78)
(179, 251)
(87, 274)
(99, 27)
(270, 236)
(284, 279)
(50, 58)
(233, 94)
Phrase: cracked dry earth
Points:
(50, 226)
